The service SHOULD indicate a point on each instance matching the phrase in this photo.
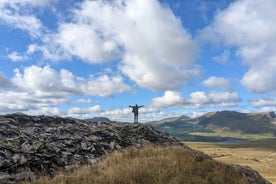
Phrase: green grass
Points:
(151, 165)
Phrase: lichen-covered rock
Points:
(42, 145)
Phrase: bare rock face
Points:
(40, 145)
(31, 146)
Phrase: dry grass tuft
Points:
(150, 165)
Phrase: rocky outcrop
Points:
(253, 177)
(31, 146)
(40, 145)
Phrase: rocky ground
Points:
(42, 145)
(31, 146)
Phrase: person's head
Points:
(136, 105)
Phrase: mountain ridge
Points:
(263, 123)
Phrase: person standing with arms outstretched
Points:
(135, 111)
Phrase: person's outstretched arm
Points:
(140, 106)
(130, 106)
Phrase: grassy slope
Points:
(151, 165)
(221, 126)
(259, 155)
(235, 121)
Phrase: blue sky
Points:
(94, 58)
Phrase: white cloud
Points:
(46, 82)
(268, 101)
(25, 2)
(41, 88)
(84, 100)
(88, 110)
(5, 83)
(24, 101)
(50, 111)
(268, 108)
(125, 115)
(107, 30)
(103, 85)
(198, 99)
(83, 41)
(217, 82)
(170, 99)
(49, 50)
(102, 31)
(84, 113)
(201, 99)
(248, 25)
(15, 56)
(117, 112)
(223, 58)
(15, 14)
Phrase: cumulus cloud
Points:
(103, 31)
(217, 82)
(45, 81)
(24, 101)
(106, 30)
(169, 99)
(50, 111)
(83, 41)
(40, 88)
(88, 110)
(84, 100)
(15, 14)
(125, 114)
(84, 113)
(223, 58)
(103, 85)
(25, 2)
(198, 99)
(15, 56)
(248, 25)
(201, 99)
(5, 83)
(268, 101)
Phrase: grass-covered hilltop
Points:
(77, 151)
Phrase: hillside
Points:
(158, 165)
(42, 145)
(34, 146)
(170, 120)
(221, 126)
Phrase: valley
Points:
(259, 155)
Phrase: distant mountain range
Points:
(99, 119)
(220, 126)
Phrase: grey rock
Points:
(5, 177)
(31, 146)
(19, 159)
(25, 175)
